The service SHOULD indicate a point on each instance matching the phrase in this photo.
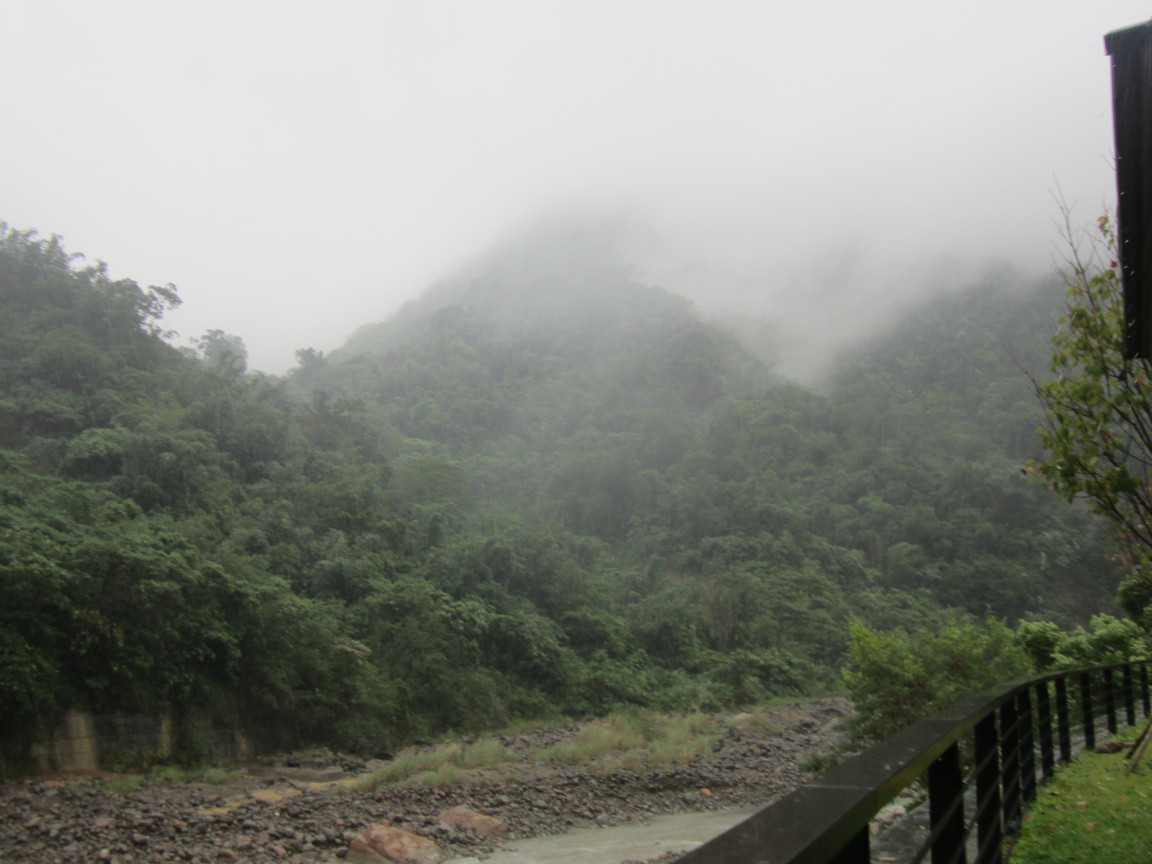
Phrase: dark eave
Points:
(1131, 53)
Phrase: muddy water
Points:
(677, 832)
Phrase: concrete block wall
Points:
(83, 741)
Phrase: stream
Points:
(677, 832)
(638, 842)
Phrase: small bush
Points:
(167, 774)
(821, 763)
(220, 776)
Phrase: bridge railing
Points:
(980, 762)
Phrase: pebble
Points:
(84, 820)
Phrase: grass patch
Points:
(634, 740)
(440, 766)
(445, 775)
(122, 784)
(760, 718)
(170, 775)
(821, 763)
(220, 776)
(167, 775)
(630, 739)
(483, 754)
(1092, 810)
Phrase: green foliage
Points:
(1098, 427)
(545, 488)
(895, 677)
(1105, 640)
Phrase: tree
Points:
(895, 677)
(222, 352)
(1098, 406)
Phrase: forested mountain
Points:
(546, 486)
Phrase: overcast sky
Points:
(300, 168)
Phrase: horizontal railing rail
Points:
(980, 762)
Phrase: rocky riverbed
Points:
(310, 809)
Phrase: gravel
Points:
(282, 813)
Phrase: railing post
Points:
(989, 827)
(1129, 696)
(946, 807)
(1063, 721)
(1027, 749)
(1087, 711)
(1110, 700)
(856, 851)
(1010, 753)
(1044, 728)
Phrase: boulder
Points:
(480, 824)
(378, 843)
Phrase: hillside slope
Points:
(548, 487)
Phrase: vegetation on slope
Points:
(548, 489)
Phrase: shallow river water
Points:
(677, 832)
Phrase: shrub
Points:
(895, 678)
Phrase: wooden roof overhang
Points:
(1131, 53)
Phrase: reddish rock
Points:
(385, 843)
(480, 824)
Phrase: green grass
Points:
(220, 776)
(760, 718)
(170, 775)
(445, 775)
(629, 739)
(1092, 811)
(634, 740)
(121, 784)
(440, 766)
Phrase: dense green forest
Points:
(544, 487)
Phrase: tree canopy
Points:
(545, 487)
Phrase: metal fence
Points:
(979, 762)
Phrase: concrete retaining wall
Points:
(86, 742)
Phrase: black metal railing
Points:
(980, 760)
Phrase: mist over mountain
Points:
(795, 321)
(614, 391)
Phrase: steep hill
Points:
(541, 343)
(617, 412)
(544, 487)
